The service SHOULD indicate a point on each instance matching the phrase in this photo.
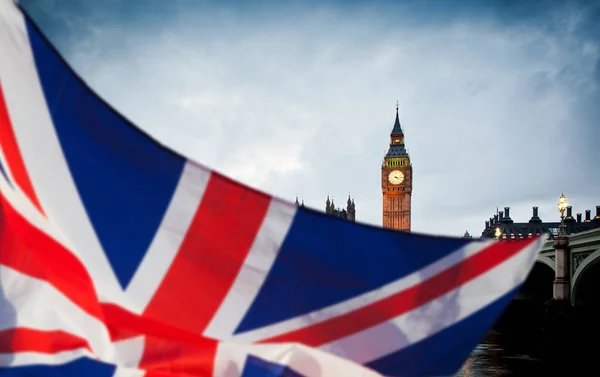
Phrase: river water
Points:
(498, 357)
(529, 341)
(493, 357)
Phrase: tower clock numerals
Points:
(396, 177)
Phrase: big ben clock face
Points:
(396, 177)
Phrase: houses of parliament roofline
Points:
(349, 213)
(507, 228)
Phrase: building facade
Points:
(502, 226)
(396, 182)
(349, 213)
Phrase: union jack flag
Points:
(120, 257)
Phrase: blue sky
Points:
(499, 100)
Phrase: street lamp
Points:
(562, 205)
(498, 232)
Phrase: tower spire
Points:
(397, 130)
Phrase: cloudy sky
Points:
(499, 100)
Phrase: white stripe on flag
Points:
(306, 361)
(169, 236)
(254, 271)
(35, 304)
(24, 207)
(365, 299)
(129, 352)
(6, 169)
(439, 314)
(38, 358)
(42, 154)
(128, 372)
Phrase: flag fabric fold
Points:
(120, 257)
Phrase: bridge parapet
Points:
(584, 253)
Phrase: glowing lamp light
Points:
(562, 204)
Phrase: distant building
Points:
(467, 235)
(346, 214)
(509, 229)
(330, 209)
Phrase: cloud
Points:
(498, 103)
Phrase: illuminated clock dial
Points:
(396, 177)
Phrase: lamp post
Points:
(563, 258)
(558, 308)
(562, 205)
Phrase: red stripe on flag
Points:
(30, 340)
(123, 324)
(176, 358)
(404, 301)
(167, 349)
(8, 142)
(211, 255)
(30, 251)
(209, 259)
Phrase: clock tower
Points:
(396, 182)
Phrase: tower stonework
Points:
(396, 182)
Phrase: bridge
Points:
(578, 277)
(553, 316)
